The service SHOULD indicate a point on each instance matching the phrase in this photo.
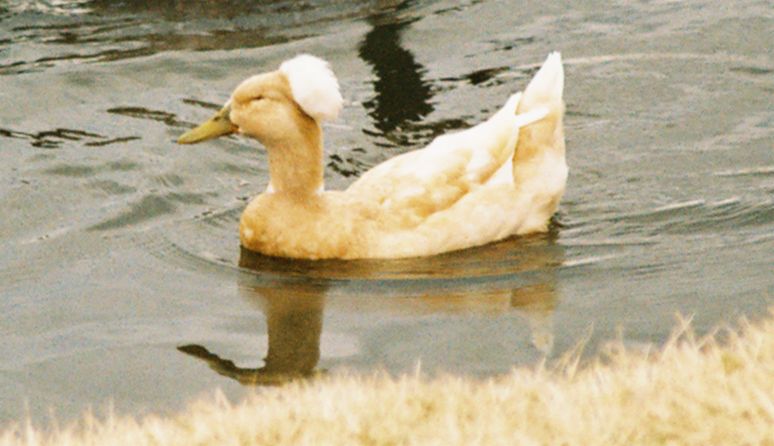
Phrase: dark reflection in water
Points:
(185, 10)
(515, 275)
(105, 31)
(294, 318)
(403, 97)
(88, 48)
(401, 93)
(182, 10)
(52, 139)
(167, 118)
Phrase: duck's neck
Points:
(296, 164)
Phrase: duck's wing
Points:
(415, 185)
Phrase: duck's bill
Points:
(216, 126)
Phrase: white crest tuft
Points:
(314, 86)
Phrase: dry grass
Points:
(691, 392)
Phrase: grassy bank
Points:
(692, 392)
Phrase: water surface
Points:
(121, 277)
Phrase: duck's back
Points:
(417, 184)
(479, 185)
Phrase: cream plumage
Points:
(502, 177)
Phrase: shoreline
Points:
(689, 391)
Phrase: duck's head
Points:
(276, 106)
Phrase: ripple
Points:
(148, 208)
(169, 180)
(414, 135)
(111, 141)
(687, 217)
(750, 171)
(165, 117)
(159, 245)
(53, 139)
(588, 260)
(506, 265)
(188, 197)
(70, 170)
(227, 218)
(485, 77)
(724, 215)
(610, 242)
(607, 58)
(130, 30)
(112, 187)
(74, 7)
(203, 104)
(209, 243)
(84, 170)
(346, 165)
(38, 258)
(755, 71)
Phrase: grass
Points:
(689, 392)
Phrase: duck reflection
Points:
(516, 275)
(294, 318)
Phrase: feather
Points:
(314, 86)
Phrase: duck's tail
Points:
(543, 96)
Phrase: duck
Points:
(500, 178)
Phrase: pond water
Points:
(121, 276)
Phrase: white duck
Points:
(502, 177)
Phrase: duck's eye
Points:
(257, 98)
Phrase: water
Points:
(121, 278)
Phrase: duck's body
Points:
(502, 177)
